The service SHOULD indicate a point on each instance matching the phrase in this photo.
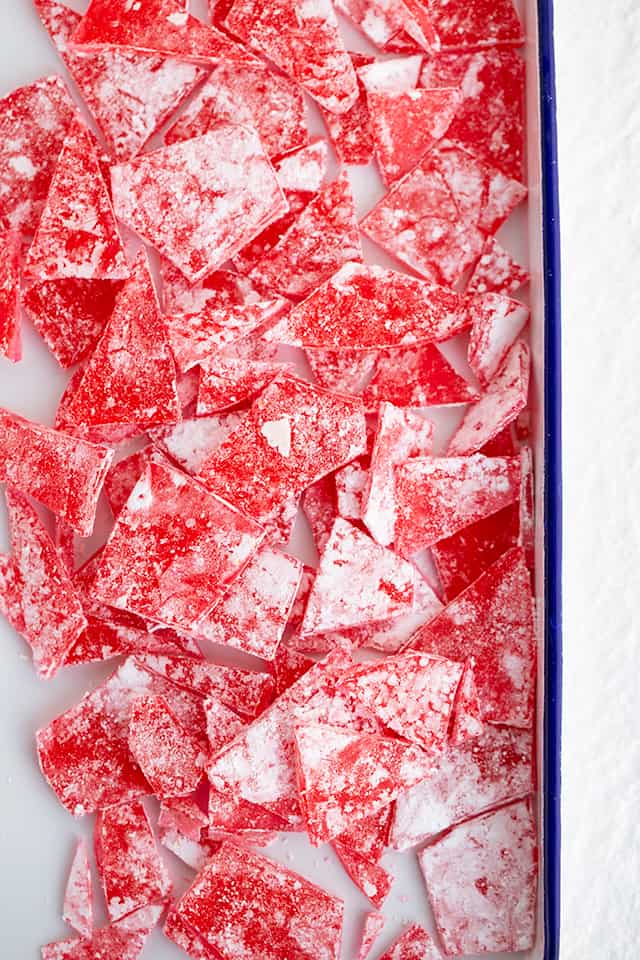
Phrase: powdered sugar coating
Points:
(350, 484)
(344, 371)
(124, 940)
(373, 925)
(414, 944)
(169, 759)
(77, 910)
(10, 337)
(496, 322)
(461, 24)
(401, 73)
(381, 20)
(350, 132)
(190, 442)
(226, 381)
(466, 716)
(496, 271)
(416, 376)
(374, 882)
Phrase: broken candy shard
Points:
(130, 377)
(303, 39)
(34, 121)
(10, 339)
(492, 621)
(481, 881)
(496, 271)
(129, 94)
(152, 26)
(374, 882)
(365, 306)
(185, 937)
(124, 940)
(244, 902)
(491, 769)
(200, 201)
(170, 760)
(77, 235)
(293, 435)
(131, 870)
(190, 442)
(505, 398)
(466, 715)
(173, 550)
(350, 132)
(470, 24)
(381, 584)
(437, 496)
(52, 612)
(78, 898)
(373, 926)
(496, 322)
(123, 476)
(228, 381)
(416, 376)
(382, 20)
(414, 944)
(400, 73)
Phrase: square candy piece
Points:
(245, 905)
(481, 880)
(200, 201)
(10, 338)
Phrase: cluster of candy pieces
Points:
(384, 696)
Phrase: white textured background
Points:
(598, 67)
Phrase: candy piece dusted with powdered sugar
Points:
(131, 871)
(481, 880)
(152, 26)
(78, 896)
(63, 473)
(364, 306)
(124, 940)
(123, 476)
(222, 725)
(191, 441)
(10, 336)
(185, 937)
(243, 904)
(77, 235)
(492, 621)
(414, 944)
(170, 760)
(382, 20)
(374, 882)
(437, 496)
(392, 76)
(226, 381)
(466, 716)
(52, 616)
(344, 371)
(373, 926)
(470, 24)
(34, 122)
(416, 376)
(200, 201)
(496, 271)
(380, 584)
(303, 39)
(219, 288)
(496, 322)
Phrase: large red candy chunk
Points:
(380, 584)
(130, 95)
(244, 905)
(293, 435)
(496, 322)
(251, 94)
(364, 307)
(481, 880)
(152, 26)
(323, 238)
(77, 235)
(200, 201)
(253, 614)
(407, 123)
(185, 937)
(416, 376)
(341, 771)
(465, 780)
(437, 496)
(173, 550)
(165, 752)
(10, 339)
(124, 940)
(496, 271)
(131, 870)
(492, 621)
(303, 39)
(505, 398)
(469, 24)
(63, 473)
(130, 376)
(51, 609)
(34, 121)
(78, 897)
(414, 944)
(369, 877)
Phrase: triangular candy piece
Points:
(389, 76)
(343, 371)
(414, 944)
(437, 496)
(496, 322)
(53, 616)
(382, 20)
(350, 132)
(170, 760)
(374, 882)
(223, 725)
(152, 26)
(341, 771)
(293, 435)
(323, 238)
(381, 584)
(219, 288)
(200, 201)
(267, 910)
(492, 621)
(171, 567)
(130, 377)
(185, 937)
(34, 121)
(416, 376)
(251, 94)
(226, 381)
(130, 95)
(489, 770)
(496, 271)
(466, 716)
(10, 338)
(190, 442)
(469, 24)
(368, 836)
(304, 42)
(131, 871)
(399, 435)
(123, 476)
(373, 926)
(288, 666)
(124, 940)
(491, 863)
(78, 897)
(183, 814)
(406, 125)
(368, 307)
(412, 694)
(320, 507)
(77, 235)
(504, 399)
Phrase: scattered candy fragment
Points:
(373, 925)
(496, 322)
(496, 271)
(10, 338)
(416, 376)
(466, 715)
(170, 760)
(343, 371)
(414, 944)
(222, 725)
(228, 381)
(382, 20)
(369, 877)
(393, 75)
(78, 897)
(123, 476)
(123, 940)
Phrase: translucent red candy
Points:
(414, 944)
(496, 271)
(496, 322)
(10, 337)
(165, 752)
(469, 24)
(123, 940)
(369, 877)
(416, 376)
(78, 896)
(373, 925)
